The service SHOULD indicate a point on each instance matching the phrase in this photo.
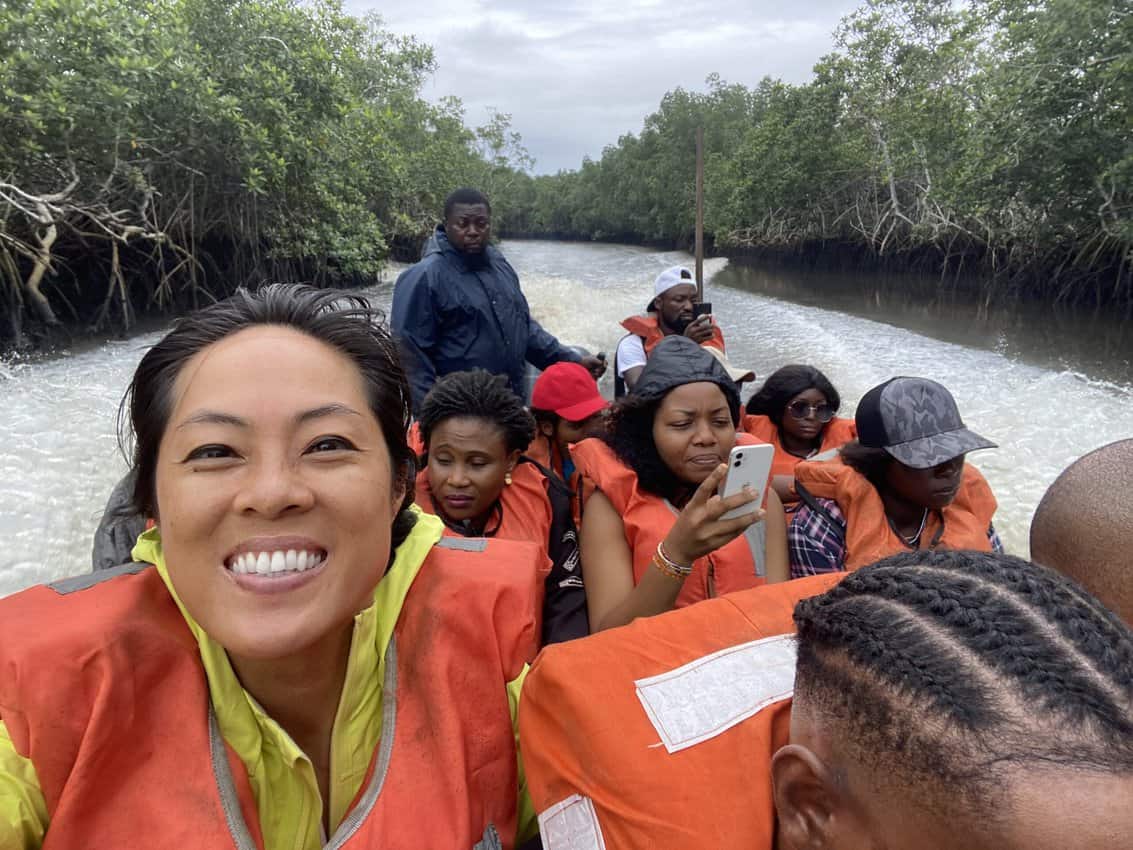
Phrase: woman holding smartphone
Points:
(653, 537)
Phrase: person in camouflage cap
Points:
(903, 484)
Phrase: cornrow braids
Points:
(480, 395)
(953, 667)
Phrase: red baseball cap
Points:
(568, 390)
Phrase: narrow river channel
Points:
(1046, 390)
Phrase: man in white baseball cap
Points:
(670, 311)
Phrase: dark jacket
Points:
(455, 311)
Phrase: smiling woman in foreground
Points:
(287, 663)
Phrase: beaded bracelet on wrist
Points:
(668, 566)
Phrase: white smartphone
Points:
(748, 466)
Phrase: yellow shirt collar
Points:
(281, 775)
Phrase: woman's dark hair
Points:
(346, 323)
(480, 395)
(630, 435)
(784, 384)
(954, 668)
(870, 462)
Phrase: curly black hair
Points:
(784, 384)
(953, 668)
(630, 435)
(481, 395)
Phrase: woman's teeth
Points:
(270, 563)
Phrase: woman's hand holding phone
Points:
(699, 528)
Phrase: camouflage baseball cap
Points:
(916, 420)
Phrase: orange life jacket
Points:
(737, 565)
(616, 762)
(838, 432)
(525, 514)
(540, 452)
(963, 524)
(413, 437)
(103, 689)
(649, 329)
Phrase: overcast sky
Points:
(576, 74)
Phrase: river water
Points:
(1047, 389)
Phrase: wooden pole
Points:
(699, 213)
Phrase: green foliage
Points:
(998, 132)
(214, 142)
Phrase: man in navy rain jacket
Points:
(461, 307)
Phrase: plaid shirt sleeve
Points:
(814, 543)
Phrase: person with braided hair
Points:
(958, 688)
(475, 477)
(931, 700)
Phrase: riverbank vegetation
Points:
(155, 152)
(991, 139)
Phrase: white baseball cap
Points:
(670, 277)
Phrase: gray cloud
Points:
(577, 74)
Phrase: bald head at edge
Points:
(1083, 526)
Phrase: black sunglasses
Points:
(802, 409)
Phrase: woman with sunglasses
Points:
(794, 411)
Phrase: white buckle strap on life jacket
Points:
(708, 696)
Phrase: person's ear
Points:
(547, 429)
(806, 799)
(400, 485)
(512, 460)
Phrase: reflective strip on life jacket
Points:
(571, 824)
(727, 687)
(676, 752)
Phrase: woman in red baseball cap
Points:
(567, 408)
